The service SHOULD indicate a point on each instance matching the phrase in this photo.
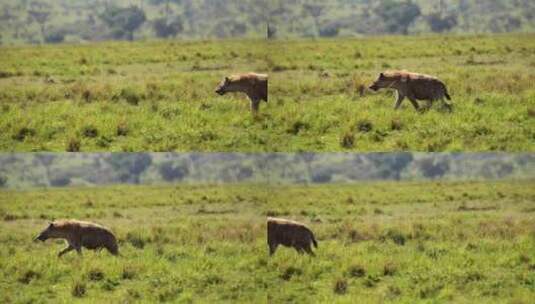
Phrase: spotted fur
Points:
(254, 85)
(290, 234)
(414, 86)
(80, 234)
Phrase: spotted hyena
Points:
(254, 85)
(414, 86)
(80, 234)
(290, 234)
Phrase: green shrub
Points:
(78, 290)
(23, 133)
(130, 96)
(356, 271)
(340, 286)
(348, 140)
(90, 131)
(73, 145)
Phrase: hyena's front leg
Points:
(255, 105)
(400, 99)
(64, 251)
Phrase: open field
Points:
(152, 96)
(490, 79)
(378, 242)
(158, 96)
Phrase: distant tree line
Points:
(51, 21)
(365, 17)
(55, 21)
(59, 170)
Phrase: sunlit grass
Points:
(161, 94)
(379, 242)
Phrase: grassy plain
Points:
(470, 242)
(321, 84)
(158, 96)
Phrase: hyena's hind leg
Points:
(447, 105)
(308, 250)
(445, 95)
(429, 104)
(113, 249)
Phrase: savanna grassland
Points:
(470, 242)
(323, 85)
(159, 96)
(154, 96)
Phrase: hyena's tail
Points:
(448, 97)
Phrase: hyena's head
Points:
(231, 84)
(383, 81)
(50, 232)
(224, 86)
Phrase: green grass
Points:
(318, 83)
(470, 242)
(158, 96)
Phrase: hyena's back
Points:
(92, 236)
(426, 87)
(99, 237)
(290, 234)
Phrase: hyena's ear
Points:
(382, 75)
(227, 79)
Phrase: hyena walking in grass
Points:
(414, 86)
(255, 86)
(290, 234)
(80, 234)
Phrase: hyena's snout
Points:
(41, 237)
(374, 87)
(220, 90)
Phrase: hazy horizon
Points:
(77, 21)
(94, 169)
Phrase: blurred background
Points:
(88, 169)
(310, 18)
(55, 21)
